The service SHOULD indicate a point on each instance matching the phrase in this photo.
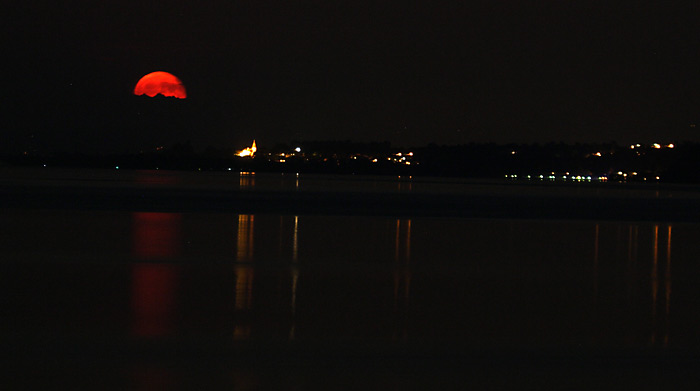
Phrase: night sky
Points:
(407, 72)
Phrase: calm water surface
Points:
(160, 300)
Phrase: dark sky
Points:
(407, 72)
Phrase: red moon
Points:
(162, 83)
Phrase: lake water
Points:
(141, 299)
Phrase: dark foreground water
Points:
(139, 299)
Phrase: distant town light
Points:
(657, 145)
(670, 146)
(250, 151)
(298, 149)
(598, 154)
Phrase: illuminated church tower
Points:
(248, 152)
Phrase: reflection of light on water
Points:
(295, 275)
(405, 183)
(156, 235)
(295, 246)
(403, 240)
(654, 280)
(243, 299)
(244, 287)
(667, 284)
(655, 286)
(402, 273)
(244, 273)
(153, 299)
(244, 243)
(295, 278)
(246, 180)
(595, 260)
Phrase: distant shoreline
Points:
(280, 194)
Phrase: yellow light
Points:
(656, 145)
(632, 146)
(250, 151)
(598, 154)
(374, 160)
(670, 146)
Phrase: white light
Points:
(657, 146)
(298, 149)
(670, 146)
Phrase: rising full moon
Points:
(159, 82)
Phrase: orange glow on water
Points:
(162, 83)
